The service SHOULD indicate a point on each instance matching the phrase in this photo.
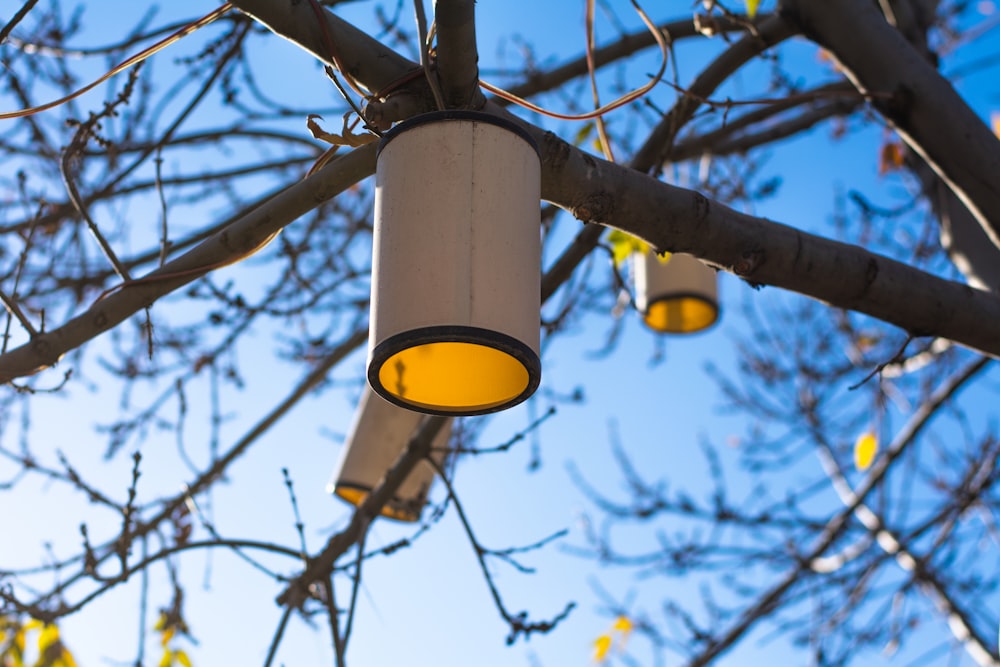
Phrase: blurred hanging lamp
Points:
(677, 294)
(457, 265)
(377, 437)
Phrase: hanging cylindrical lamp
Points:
(457, 265)
(377, 437)
(676, 294)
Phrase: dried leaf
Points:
(346, 138)
(890, 157)
(995, 122)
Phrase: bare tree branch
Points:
(923, 107)
(242, 238)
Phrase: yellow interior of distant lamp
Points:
(453, 377)
(682, 314)
(357, 496)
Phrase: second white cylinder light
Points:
(675, 295)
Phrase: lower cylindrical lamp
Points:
(676, 295)
(378, 435)
(456, 272)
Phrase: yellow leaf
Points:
(182, 658)
(752, 7)
(66, 659)
(995, 121)
(601, 647)
(168, 658)
(623, 245)
(48, 636)
(623, 625)
(864, 450)
(168, 634)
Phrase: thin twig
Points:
(425, 61)
(134, 60)
(299, 525)
(77, 144)
(602, 131)
(356, 586)
(518, 624)
(21, 13)
(22, 261)
(503, 447)
(878, 369)
(320, 565)
(164, 237)
(333, 616)
(143, 605)
(194, 508)
(278, 634)
(15, 311)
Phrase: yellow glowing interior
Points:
(453, 377)
(357, 496)
(681, 315)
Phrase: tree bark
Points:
(457, 56)
(905, 88)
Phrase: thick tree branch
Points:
(363, 59)
(319, 566)
(765, 252)
(922, 105)
(457, 56)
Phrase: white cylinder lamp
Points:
(678, 295)
(377, 437)
(456, 272)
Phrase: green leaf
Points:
(583, 133)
